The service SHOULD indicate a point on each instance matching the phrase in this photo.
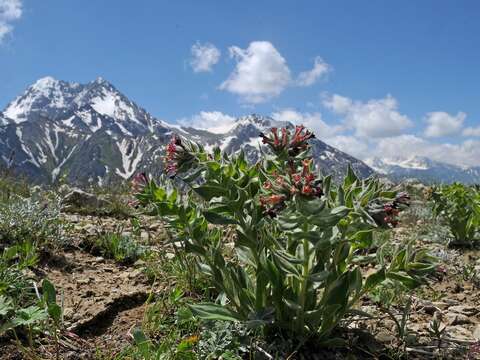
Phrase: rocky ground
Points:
(104, 300)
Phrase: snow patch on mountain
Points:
(131, 157)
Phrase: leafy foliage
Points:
(120, 247)
(459, 206)
(32, 220)
(299, 240)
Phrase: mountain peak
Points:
(45, 82)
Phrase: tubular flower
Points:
(139, 182)
(299, 141)
(293, 144)
(387, 214)
(177, 156)
(280, 189)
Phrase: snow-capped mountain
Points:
(93, 134)
(425, 170)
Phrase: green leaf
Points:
(375, 279)
(217, 219)
(29, 316)
(211, 311)
(350, 178)
(48, 291)
(404, 278)
(5, 305)
(55, 312)
(310, 207)
(210, 191)
(141, 342)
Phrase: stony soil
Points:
(103, 301)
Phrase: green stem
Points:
(303, 285)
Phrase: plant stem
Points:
(303, 285)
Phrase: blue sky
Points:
(375, 78)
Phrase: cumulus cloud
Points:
(10, 10)
(441, 123)
(351, 145)
(261, 72)
(375, 118)
(472, 131)
(213, 121)
(312, 121)
(320, 69)
(407, 146)
(204, 57)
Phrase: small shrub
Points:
(121, 248)
(459, 207)
(32, 221)
(299, 240)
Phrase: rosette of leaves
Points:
(459, 207)
(299, 243)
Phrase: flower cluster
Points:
(294, 144)
(281, 188)
(388, 214)
(139, 182)
(177, 156)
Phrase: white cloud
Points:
(375, 118)
(472, 131)
(312, 121)
(351, 145)
(320, 68)
(441, 123)
(10, 10)
(204, 57)
(213, 121)
(408, 146)
(261, 72)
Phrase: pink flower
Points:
(139, 182)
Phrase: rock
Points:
(430, 309)
(385, 337)
(464, 309)
(476, 333)
(155, 226)
(144, 236)
(83, 281)
(139, 263)
(460, 333)
(78, 199)
(440, 305)
(458, 319)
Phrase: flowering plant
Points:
(459, 207)
(299, 240)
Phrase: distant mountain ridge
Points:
(93, 134)
(424, 169)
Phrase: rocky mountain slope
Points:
(425, 170)
(93, 134)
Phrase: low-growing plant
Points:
(30, 220)
(12, 185)
(36, 314)
(299, 240)
(120, 247)
(459, 206)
